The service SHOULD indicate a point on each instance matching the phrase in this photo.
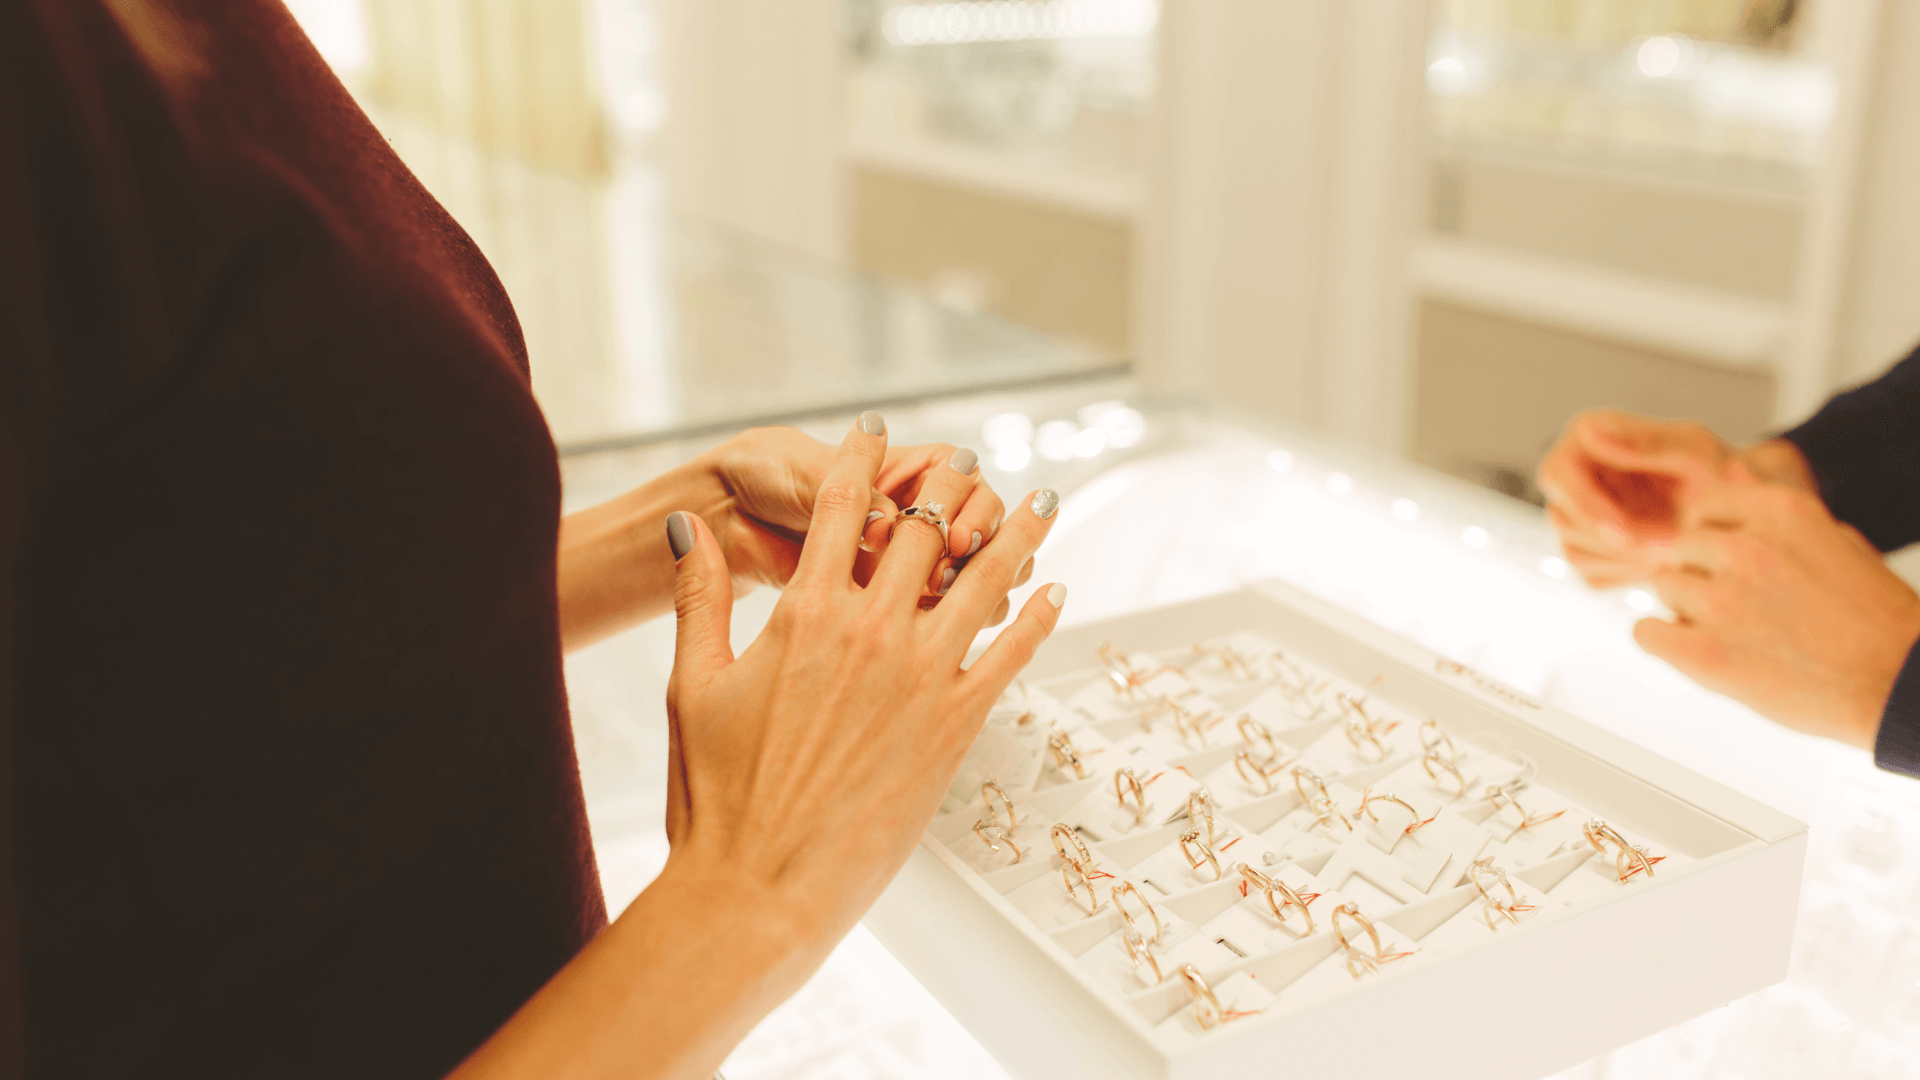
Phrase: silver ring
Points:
(930, 512)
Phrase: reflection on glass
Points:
(1716, 91)
(1063, 83)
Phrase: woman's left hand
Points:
(770, 475)
(756, 492)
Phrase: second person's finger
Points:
(842, 505)
(904, 572)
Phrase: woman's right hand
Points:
(806, 769)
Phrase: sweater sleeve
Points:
(1864, 449)
(1897, 747)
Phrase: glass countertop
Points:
(1200, 502)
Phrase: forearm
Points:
(665, 992)
(615, 569)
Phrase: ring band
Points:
(1133, 787)
(1288, 896)
(1074, 877)
(1120, 906)
(1081, 857)
(1450, 766)
(1242, 762)
(1065, 755)
(1013, 822)
(1352, 911)
(992, 831)
(931, 512)
(1599, 834)
(1200, 804)
(1367, 799)
(1206, 1007)
(1190, 840)
(1141, 954)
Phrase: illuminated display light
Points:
(1554, 566)
(1017, 20)
(1007, 429)
(1339, 483)
(1406, 509)
(1012, 457)
(1474, 536)
(1279, 460)
(1639, 600)
(1055, 438)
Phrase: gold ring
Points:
(1065, 754)
(1599, 834)
(1300, 773)
(1497, 794)
(930, 512)
(1432, 739)
(990, 831)
(1133, 787)
(1190, 725)
(1368, 798)
(1355, 956)
(1288, 897)
(1256, 734)
(1075, 877)
(1242, 762)
(1361, 726)
(1085, 857)
(1450, 766)
(1012, 821)
(1200, 803)
(1189, 840)
(1206, 1007)
(1141, 953)
(1486, 867)
(1118, 905)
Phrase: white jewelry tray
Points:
(1538, 998)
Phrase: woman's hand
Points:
(1617, 486)
(769, 477)
(756, 492)
(801, 775)
(1784, 609)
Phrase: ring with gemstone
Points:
(931, 512)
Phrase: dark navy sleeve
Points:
(1864, 448)
(1897, 747)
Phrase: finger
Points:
(702, 600)
(1014, 648)
(1859, 540)
(944, 571)
(873, 538)
(1604, 570)
(843, 504)
(1567, 478)
(1688, 648)
(1703, 549)
(1687, 593)
(1026, 572)
(973, 523)
(1684, 450)
(1000, 611)
(679, 805)
(987, 578)
(907, 568)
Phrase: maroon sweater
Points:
(287, 786)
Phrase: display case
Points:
(1694, 907)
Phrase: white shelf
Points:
(1097, 194)
(1720, 327)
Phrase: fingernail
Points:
(1057, 595)
(1045, 502)
(873, 423)
(977, 540)
(946, 579)
(963, 461)
(679, 534)
(875, 515)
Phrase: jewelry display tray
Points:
(1538, 998)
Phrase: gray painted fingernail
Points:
(1057, 596)
(976, 542)
(679, 534)
(963, 461)
(946, 579)
(875, 515)
(873, 423)
(1045, 502)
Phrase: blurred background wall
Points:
(1432, 228)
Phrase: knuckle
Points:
(841, 495)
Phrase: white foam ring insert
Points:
(1713, 922)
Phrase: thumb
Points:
(702, 598)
